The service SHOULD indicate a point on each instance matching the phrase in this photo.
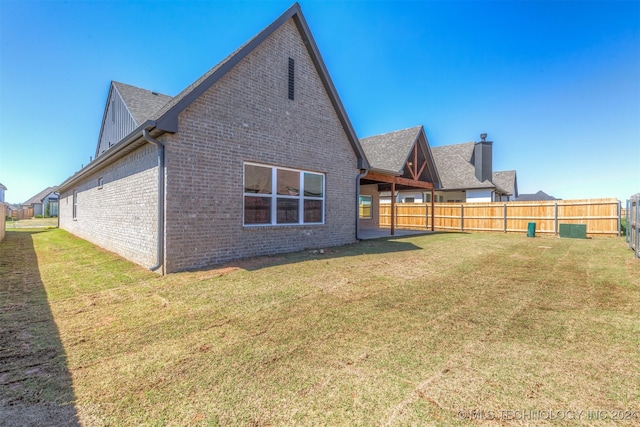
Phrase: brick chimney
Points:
(483, 159)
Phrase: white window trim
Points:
(274, 196)
(75, 205)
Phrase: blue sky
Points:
(555, 85)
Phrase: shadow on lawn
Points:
(35, 383)
(382, 245)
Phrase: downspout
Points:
(358, 178)
(160, 252)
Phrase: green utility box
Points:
(574, 231)
(531, 229)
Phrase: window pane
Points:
(257, 210)
(288, 211)
(313, 211)
(257, 179)
(313, 185)
(288, 183)
(365, 206)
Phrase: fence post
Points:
(619, 218)
(627, 230)
(426, 216)
(555, 218)
(505, 217)
(637, 224)
(461, 217)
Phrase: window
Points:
(364, 204)
(100, 183)
(53, 208)
(280, 196)
(409, 199)
(75, 204)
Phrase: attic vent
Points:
(291, 78)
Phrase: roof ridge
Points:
(458, 143)
(394, 131)
(116, 83)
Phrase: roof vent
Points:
(483, 137)
(291, 78)
(155, 93)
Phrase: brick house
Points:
(255, 157)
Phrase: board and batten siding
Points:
(118, 122)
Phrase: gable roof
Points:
(41, 195)
(127, 108)
(455, 167)
(506, 180)
(390, 152)
(166, 118)
(142, 103)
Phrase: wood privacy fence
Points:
(3, 210)
(601, 216)
(25, 212)
(633, 223)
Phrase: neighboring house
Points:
(45, 203)
(400, 163)
(255, 157)
(466, 173)
(2, 190)
(507, 181)
(10, 209)
(539, 196)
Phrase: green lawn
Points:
(31, 223)
(427, 330)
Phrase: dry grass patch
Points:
(388, 332)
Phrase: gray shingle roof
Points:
(389, 151)
(455, 167)
(142, 103)
(41, 195)
(506, 180)
(540, 195)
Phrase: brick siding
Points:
(247, 116)
(122, 215)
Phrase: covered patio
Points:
(400, 161)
